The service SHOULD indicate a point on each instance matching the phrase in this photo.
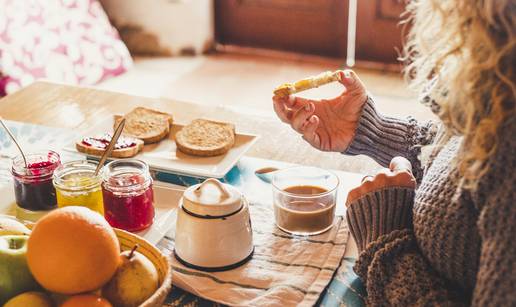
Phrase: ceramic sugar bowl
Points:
(213, 229)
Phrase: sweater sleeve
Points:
(382, 138)
(396, 273)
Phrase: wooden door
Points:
(379, 34)
(312, 26)
(306, 26)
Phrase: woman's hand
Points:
(399, 174)
(328, 125)
(381, 204)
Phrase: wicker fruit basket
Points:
(161, 262)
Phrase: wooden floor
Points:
(246, 82)
(242, 84)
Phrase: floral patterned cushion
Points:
(67, 41)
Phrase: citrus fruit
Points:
(86, 300)
(33, 299)
(73, 250)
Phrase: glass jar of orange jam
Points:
(128, 195)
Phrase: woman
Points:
(448, 241)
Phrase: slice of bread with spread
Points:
(206, 138)
(125, 146)
(148, 125)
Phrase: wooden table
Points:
(80, 108)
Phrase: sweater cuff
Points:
(380, 137)
(386, 242)
(378, 213)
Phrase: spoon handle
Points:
(111, 146)
(14, 140)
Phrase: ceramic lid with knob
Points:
(212, 199)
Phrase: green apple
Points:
(15, 277)
(135, 280)
(32, 299)
(10, 226)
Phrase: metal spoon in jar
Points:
(111, 145)
(15, 142)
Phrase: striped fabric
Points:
(285, 269)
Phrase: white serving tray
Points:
(165, 157)
(166, 200)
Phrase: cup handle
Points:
(216, 183)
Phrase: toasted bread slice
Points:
(206, 138)
(308, 83)
(145, 124)
(129, 146)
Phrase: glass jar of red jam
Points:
(33, 188)
(127, 194)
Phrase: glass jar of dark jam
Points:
(128, 195)
(33, 188)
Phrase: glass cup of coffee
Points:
(304, 199)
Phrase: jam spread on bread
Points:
(103, 142)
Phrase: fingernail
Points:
(349, 77)
(291, 99)
(308, 107)
(313, 119)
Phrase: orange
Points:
(73, 250)
(86, 300)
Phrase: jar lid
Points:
(212, 198)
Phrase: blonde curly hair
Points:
(462, 55)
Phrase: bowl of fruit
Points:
(72, 258)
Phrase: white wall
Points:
(178, 24)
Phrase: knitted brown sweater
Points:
(442, 244)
